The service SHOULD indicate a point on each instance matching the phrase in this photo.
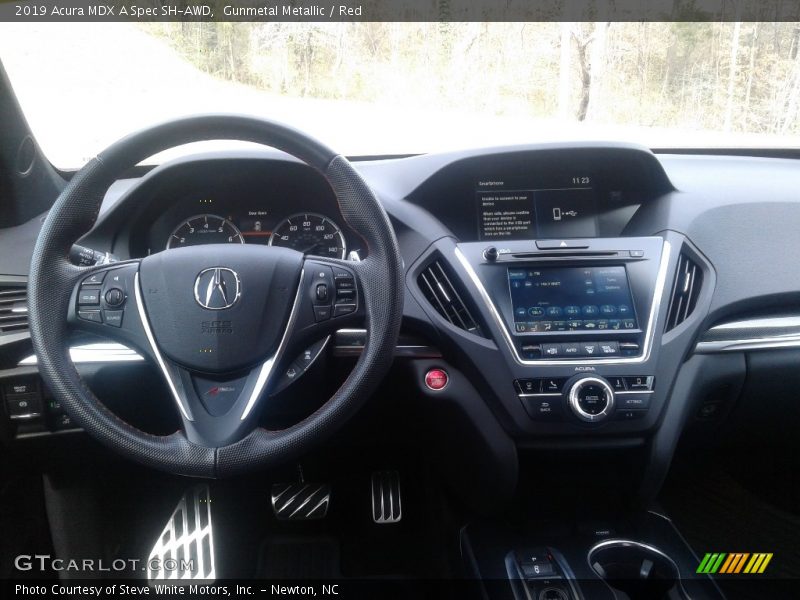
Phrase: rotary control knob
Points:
(115, 297)
(591, 399)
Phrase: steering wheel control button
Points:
(346, 293)
(591, 399)
(95, 279)
(343, 309)
(322, 283)
(640, 383)
(436, 379)
(115, 297)
(322, 313)
(345, 296)
(114, 318)
(94, 316)
(89, 297)
(344, 279)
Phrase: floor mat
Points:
(296, 557)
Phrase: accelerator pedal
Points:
(387, 506)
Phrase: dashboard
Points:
(579, 294)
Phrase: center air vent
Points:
(13, 309)
(685, 291)
(437, 285)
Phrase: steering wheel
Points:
(219, 321)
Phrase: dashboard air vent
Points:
(13, 309)
(437, 285)
(685, 290)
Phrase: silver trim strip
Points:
(658, 294)
(761, 323)
(30, 415)
(149, 333)
(401, 350)
(94, 353)
(266, 368)
(764, 343)
(617, 393)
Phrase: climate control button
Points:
(591, 399)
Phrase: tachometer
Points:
(310, 233)
(205, 229)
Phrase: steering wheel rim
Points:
(53, 280)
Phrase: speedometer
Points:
(205, 229)
(310, 233)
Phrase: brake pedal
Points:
(300, 501)
(387, 506)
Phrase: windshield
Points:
(396, 88)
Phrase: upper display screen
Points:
(510, 212)
(552, 299)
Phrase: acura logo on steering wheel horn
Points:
(217, 288)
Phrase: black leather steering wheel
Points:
(221, 317)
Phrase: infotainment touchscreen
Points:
(553, 299)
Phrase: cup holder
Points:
(639, 570)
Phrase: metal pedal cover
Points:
(300, 501)
(185, 548)
(387, 504)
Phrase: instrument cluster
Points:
(288, 206)
(307, 232)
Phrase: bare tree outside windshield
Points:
(371, 88)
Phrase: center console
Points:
(579, 321)
(636, 557)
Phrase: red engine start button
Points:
(436, 379)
